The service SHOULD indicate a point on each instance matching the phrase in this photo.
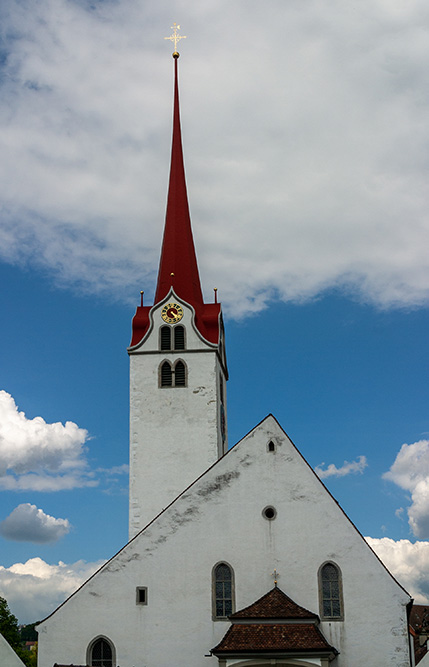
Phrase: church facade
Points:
(236, 557)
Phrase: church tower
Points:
(178, 368)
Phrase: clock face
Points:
(172, 313)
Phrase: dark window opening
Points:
(179, 374)
(166, 375)
(141, 595)
(165, 338)
(179, 338)
(271, 446)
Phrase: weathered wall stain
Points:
(219, 483)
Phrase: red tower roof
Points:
(178, 268)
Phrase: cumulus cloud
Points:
(35, 455)
(301, 169)
(34, 589)
(410, 471)
(27, 523)
(347, 468)
(408, 562)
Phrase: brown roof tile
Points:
(296, 637)
(274, 604)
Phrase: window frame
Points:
(322, 598)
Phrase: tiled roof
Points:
(274, 604)
(284, 638)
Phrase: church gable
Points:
(223, 517)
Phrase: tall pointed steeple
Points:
(178, 369)
(178, 266)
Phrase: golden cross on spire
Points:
(175, 37)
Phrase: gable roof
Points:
(297, 631)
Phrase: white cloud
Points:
(35, 588)
(410, 471)
(408, 562)
(27, 523)
(38, 456)
(301, 168)
(347, 468)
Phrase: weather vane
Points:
(175, 37)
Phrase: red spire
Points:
(178, 266)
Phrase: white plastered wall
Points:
(220, 518)
(174, 431)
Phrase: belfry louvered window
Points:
(165, 338)
(100, 654)
(179, 338)
(179, 374)
(173, 376)
(175, 333)
(330, 591)
(166, 375)
(223, 591)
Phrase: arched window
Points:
(179, 374)
(223, 591)
(179, 337)
(101, 653)
(166, 375)
(165, 337)
(330, 590)
(173, 376)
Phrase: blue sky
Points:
(307, 179)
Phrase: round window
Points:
(269, 513)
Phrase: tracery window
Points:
(331, 606)
(223, 591)
(101, 653)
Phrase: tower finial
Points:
(178, 252)
(175, 37)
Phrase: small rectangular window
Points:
(141, 595)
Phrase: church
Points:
(237, 557)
